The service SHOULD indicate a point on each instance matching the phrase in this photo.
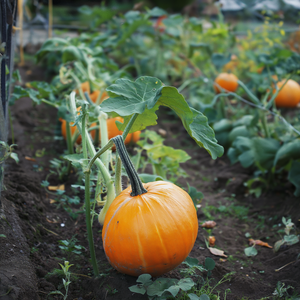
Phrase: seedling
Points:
(69, 247)
(66, 281)
(288, 239)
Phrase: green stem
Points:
(136, 184)
(88, 203)
(118, 175)
(49, 103)
(11, 127)
(111, 194)
(252, 97)
(104, 137)
(69, 144)
(129, 125)
(160, 171)
(264, 124)
(88, 224)
(76, 79)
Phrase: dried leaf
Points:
(217, 252)
(55, 188)
(52, 201)
(259, 243)
(48, 220)
(209, 224)
(211, 241)
(30, 158)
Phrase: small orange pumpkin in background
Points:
(85, 86)
(227, 81)
(114, 131)
(111, 128)
(289, 96)
(150, 227)
(94, 96)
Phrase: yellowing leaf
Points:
(56, 187)
(30, 158)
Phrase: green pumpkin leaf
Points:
(147, 93)
(150, 178)
(51, 45)
(77, 160)
(209, 263)
(291, 239)
(287, 152)
(148, 118)
(129, 97)
(160, 285)
(72, 53)
(194, 297)
(15, 157)
(204, 297)
(294, 176)
(186, 284)
(144, 279)
(219, 60)
(138, 289)
(250, 251)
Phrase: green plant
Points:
(288, 239)
(143, 97)
(6, 152)
(66, 281)
(161, 287)
(69, 247)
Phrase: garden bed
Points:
(35, 224)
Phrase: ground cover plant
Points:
(247, 244)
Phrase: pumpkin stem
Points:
(136, 184)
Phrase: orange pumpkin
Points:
(227, 81)
(111, 128)
(289, 96)
(85, 86)
(94, 96)
(150, 227)
(113, 131)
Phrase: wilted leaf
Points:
(209, 224)
(259, 243)
(30, 158)
(217, 252)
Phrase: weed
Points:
(66, 281)
(69, 247)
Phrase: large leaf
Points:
(287, 152)
(193, 121)
(147, 93)
(128, 97)
(294, 176)
(51, 45)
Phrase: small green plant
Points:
(111, 290)
(66, 281)
(69, 247)
(288, 239)
(6, 151)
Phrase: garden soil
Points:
(34, 224)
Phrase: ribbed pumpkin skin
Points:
(150, 233)
(227, 81)
(289, 96)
